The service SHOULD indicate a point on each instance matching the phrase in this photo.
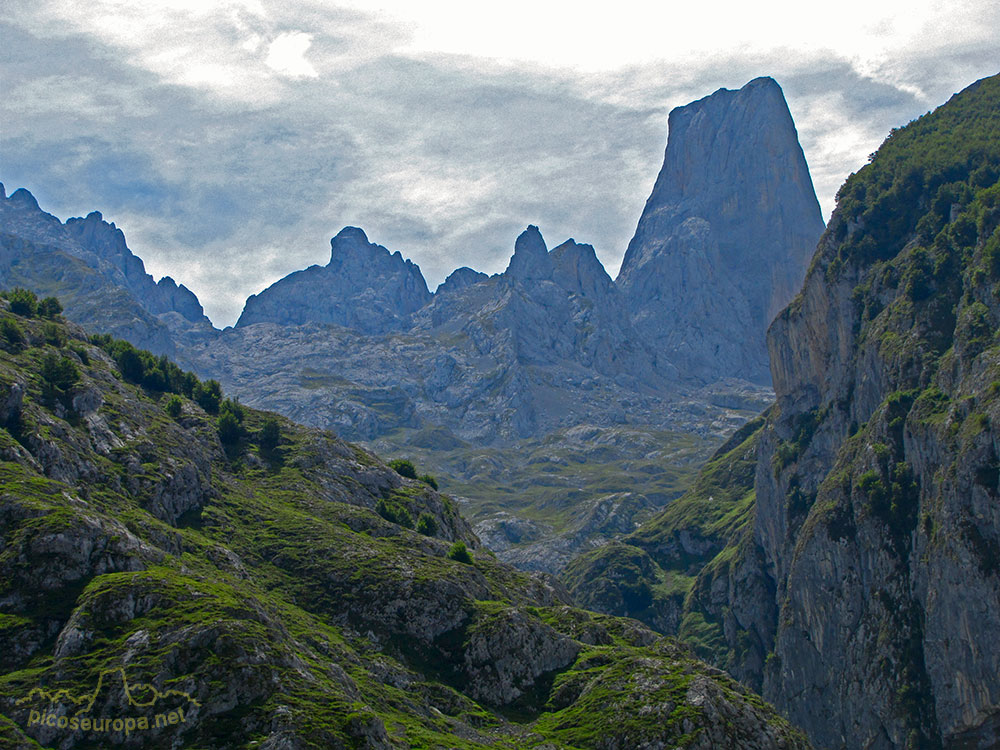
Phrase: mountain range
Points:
(838, 553)
(489, 381)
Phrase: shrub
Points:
(230, 406)
(394, 513)
(146, 369)
(404, 468)
(53, 334)
(208, 395)
(460, 553)
(59, 372)
(23, 302)
(174, 406)
(12, 333)
(230, 430)
(426, 524)
(270, 434)
(49, 308)
(429, 480)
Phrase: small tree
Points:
(426, 524)
(208, 395)
(459, 553)
(23, 302)
(53, 334)
(49, 307)
(59, 372)
(404, 468)
(230, 430)
(429, 480)
(229, 406)
(12, 334)
(174, 406)
(270, 434)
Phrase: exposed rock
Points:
(847, 544)
(364, 287)
(266, 596)
(726, 234)
(460, 278)
(100, 282)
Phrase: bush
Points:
(426, 524)
(208, 395)
(59, 372)
(270, 434)
(23, 302)
(230, 430)
(459, 553)
(53, 334)
(174, 406)
(12, 333)
(229, 406)
(394, 513)
(404, 468)
(49, 308)
(429, 480)
(146, 369)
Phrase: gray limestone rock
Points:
(460, 278)
(364, 287)
(726, 235)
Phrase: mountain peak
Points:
(726, 234)
(24, 199)
(364, 287)
(531, 257)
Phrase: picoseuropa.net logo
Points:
(144, 708)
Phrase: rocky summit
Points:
(87, 264)
(490, 382)
(842, 552)
(364, 287)
(178, 570)
(726, 235)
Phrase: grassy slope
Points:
(266, 585)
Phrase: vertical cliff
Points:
(844, 553)
(726, 235)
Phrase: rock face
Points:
(280, 596)
(843, 551)
(364, 287)
(726, 235)
(101, 283)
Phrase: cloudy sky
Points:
(230, 140)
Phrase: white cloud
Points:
(287, 55)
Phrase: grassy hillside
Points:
(165, 552)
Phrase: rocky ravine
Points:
(286, 592)
(843, 552)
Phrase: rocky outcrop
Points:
(726, 234)
(100, 282)
(843, 552)
(491, 369)
(460, 278)
(364, 287)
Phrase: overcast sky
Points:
(231, 140)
